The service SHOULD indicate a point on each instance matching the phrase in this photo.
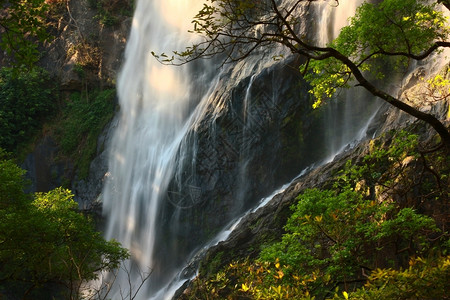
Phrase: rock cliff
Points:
(266, 224)
(86, 53)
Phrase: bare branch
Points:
(241, 32)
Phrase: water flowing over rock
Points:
(199, 145)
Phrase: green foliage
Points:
(78, 68)
(424, 279)
(251, 280)
(45, 240)
(374, 168)
(363, 223)
(87, 251)
(23, 26)
(83, 121)
(110, 12)
(12, 183)
(358, 240)
(395, 30)
(338, 235)
(26, 99)
(398, 171)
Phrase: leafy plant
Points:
(45, 241)
(425, 279)
(110, 12)
(342, 236)
(27, 98)
(358, 240)
(83, 120)
(23, 27)
(373, 34)
(365, 223)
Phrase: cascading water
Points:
(154, 106)
(184, 160)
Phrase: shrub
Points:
(83, 121)
(425, 278)
(358, 240)
(26, 100)
(45, 241)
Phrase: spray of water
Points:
(154, 106)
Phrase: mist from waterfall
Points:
(155, 103)
(153, 155)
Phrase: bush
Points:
(358, 240)
(423, 279)
(83, 121)
(338, 238)
(46, 242)
(26, 100)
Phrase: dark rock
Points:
(88, 191)
(44, 169)
(265, 225)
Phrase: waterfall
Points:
(154, 106)
(186, 138)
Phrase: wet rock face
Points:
(254, 137)
(88, 191)
(266, 224)
(246, 144)
(257, 133)
(44, 171)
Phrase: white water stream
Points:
(158, 106)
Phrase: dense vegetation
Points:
(380, 232)
(22, 27)
(110, 12)
(27, 99)
(82, 120)
(30, 98)
(47, 247)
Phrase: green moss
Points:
(83, 120)
(211, 266)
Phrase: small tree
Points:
(401, 31)
(46, 242)
(22, 25)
